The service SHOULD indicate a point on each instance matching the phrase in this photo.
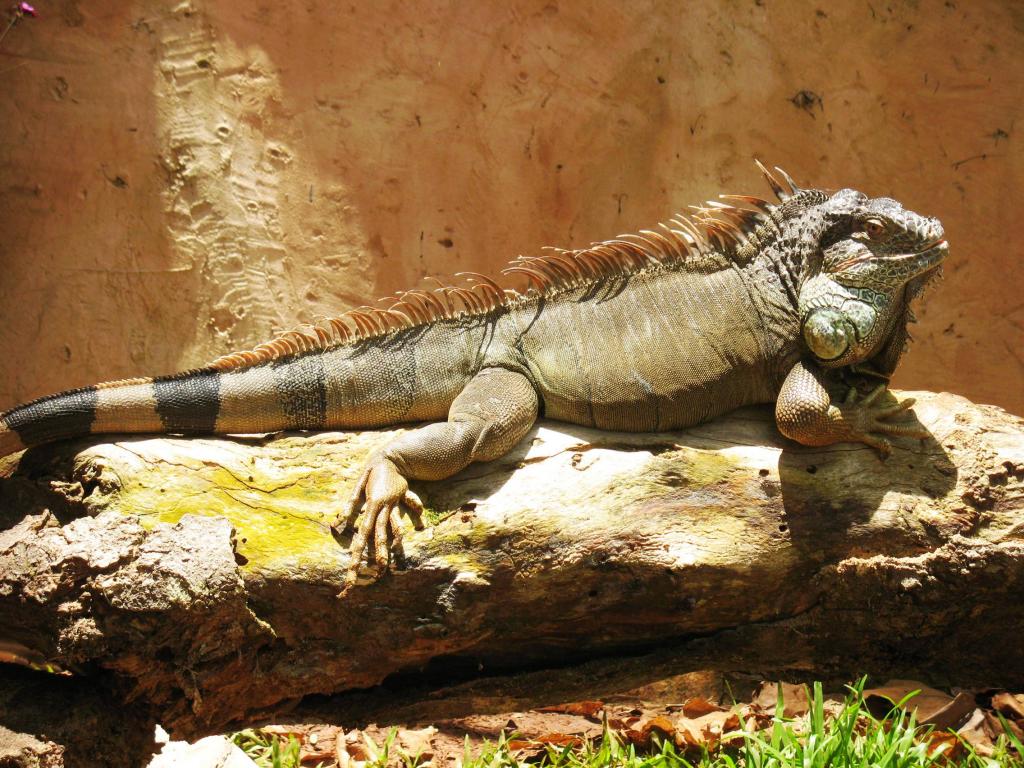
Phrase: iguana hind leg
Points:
(491, 414)
(805, 412)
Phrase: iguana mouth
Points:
(940, 243)
(939, 246)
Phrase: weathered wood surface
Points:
(201, 575)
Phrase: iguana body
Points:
(655, 331)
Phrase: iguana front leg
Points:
(805, 412)
(491, 414)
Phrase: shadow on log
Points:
(201, 577)
(48, 720)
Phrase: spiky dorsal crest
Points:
(709, 238)
(780, 191)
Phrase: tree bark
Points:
(202, 577)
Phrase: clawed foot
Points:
(379, 493)
(864, 418)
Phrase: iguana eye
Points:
(874, 228)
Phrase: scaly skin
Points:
(650, 332)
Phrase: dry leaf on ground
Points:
(698, 706)
(709, 728)
(1009, 704)
(956, 711)
(660, 725)
(928, 701)
(697, 723)
(582, 708)
(952, 747)
(319, 744)
(794, 698)
(978, 733)
(687, 734)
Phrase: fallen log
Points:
(202, 577)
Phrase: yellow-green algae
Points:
(280, 499)
(280, 509)
(679, 468)
(701, 468)
(281, 496)
(648, 495)
(269, 526)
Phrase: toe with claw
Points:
(864, 419)
(380, 493)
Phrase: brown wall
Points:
(181, 179)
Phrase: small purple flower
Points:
(27, 10)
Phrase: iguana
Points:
(743, 301)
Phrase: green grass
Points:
(852, 739)
(267, 750)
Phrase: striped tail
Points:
(186, 402)
(361, 386)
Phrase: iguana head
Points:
(876, 255)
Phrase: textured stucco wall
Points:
(182, 179)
